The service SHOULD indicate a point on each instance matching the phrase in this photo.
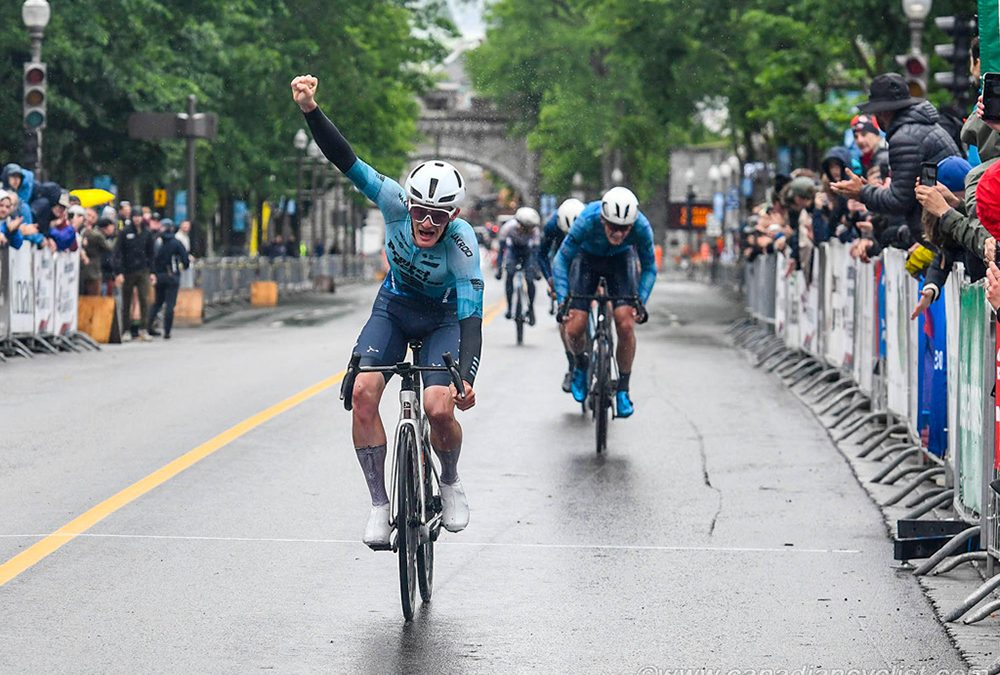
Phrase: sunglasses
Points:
(618, 228)
(438, 217)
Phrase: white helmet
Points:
(568, 212)
(527, 217)
(436, 184)
(620, 206)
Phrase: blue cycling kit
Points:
(448, 272)
(433, 294)
(587, 236)
(552, 239)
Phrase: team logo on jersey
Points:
(462, 246)
(477, 284)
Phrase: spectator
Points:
(133, 259)
(868, 138)
(109, 228)
(171, 259)
(124, 214)
(62, 234)
(109, 213)
(91, 218)
(22, 183)
(914, 136)
(10, 226)
(95, 248)
(183, 235)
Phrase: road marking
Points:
(78, 527)
(473, 544)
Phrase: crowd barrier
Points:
(918, 394)
(40, 291)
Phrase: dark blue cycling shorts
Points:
(618, 270)
(526, 257)
(396, 320)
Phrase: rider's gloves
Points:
(641, 315)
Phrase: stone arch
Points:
(519, 181)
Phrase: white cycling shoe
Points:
(377, 529)
(454, 507)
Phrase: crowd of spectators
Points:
(873, 195)
(123, 251)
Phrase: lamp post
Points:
(578, 186)
(36, 15)
(916, 12)
(617, 177)
(689, 181)
(300, 142)
(313, 152)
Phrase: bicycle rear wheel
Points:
(602, 395)
(519, 318)
(406, 518)
(425, 552)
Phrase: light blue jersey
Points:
(587, 236)
(448, 272)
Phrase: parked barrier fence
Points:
(39, 290)
(920, 391)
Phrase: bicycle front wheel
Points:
(407, 523)
(519, 318)
(425, 551)
(602, 395)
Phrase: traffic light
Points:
(958, 82)
(915, 71)
(35, 95)
(30, 158)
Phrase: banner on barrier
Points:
(932, 397)
(67, 291)
(780, 297)
(4, 294)
(897, 333)
(807, 313)
(22, 290)
(972, 389)
(45, 281)
(865, 328)
(952, 307)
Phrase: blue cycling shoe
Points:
(579, 385)
(623, 404)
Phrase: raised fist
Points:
(304, 92)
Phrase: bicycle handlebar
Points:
(402, 368)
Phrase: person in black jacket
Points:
(133, 258)
(170, 260)
(914, 136)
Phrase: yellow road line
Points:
(65, 534)
(79, 525)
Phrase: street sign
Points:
(160, 198)
(154, 126)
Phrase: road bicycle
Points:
(415, 487)
(602, 369)
(520, 302)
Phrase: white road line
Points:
(493, 544)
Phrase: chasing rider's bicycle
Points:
(415, 489)
(602, 371)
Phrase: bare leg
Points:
(625, 323)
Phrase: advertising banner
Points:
(22, 291)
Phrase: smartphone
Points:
(991, 97)
(883, 171)
(928, 174)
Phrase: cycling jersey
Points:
(587, 236)
(448, 272)
(445, 277)
(552, 239)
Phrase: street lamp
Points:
(916, 11)
(578, 185)
(617, 177)
(36, 15)
(300, 142)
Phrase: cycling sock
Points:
(582, 361)
(372, 460)
(623, 381)
(449, 465)
(509, 288)
(572, 359)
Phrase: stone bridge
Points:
(478, 137)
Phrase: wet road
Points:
(722, 528)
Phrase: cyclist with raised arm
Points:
(555, 230)
(519, 241)
(604, 237)
(433, 293)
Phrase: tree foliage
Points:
(109, 58)
(590, 78)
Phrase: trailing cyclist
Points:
(433, 293)
(519, 241)
(602, 241)
(553, 234)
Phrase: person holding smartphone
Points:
(914, 136)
